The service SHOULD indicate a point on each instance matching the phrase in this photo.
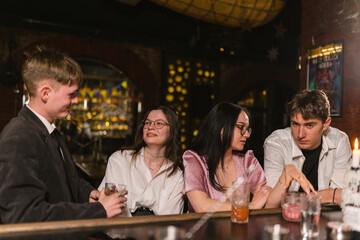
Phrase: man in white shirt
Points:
(320, 152)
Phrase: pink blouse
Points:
(196, 174)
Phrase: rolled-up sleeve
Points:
(274, 160)
(342, 162)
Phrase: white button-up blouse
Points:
(162, 193)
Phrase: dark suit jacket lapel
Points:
(69, 168)
(57, 159)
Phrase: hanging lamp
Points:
(232, 13)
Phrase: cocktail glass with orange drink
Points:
(240, 204)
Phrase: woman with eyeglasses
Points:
(152, 169)
(215, 161)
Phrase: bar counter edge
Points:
(19, 229)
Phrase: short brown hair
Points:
(310, 103)
(43, 63)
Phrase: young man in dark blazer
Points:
(38, 180)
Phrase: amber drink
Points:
(240, 204)
(110, 188)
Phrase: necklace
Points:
(225, 178)
(153, 155)
(157, 167)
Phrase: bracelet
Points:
(334, 195)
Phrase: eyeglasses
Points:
(159, 124)
(243, 129)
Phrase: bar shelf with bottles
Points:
(105, 111)
(101, 122)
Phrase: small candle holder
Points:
(355, 155)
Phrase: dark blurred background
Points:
(136, 54)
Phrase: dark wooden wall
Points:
(141, 64)
(322, 22)
(329, 21)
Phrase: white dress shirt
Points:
(162, 194)
(280, 149)
(49, 126)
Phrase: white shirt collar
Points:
(296, 151)
(326, 145)
(49, 126)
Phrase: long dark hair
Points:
(209, 142)
(173, 150)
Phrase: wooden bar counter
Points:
(218, 226)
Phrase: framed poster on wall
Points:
(325, 72)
